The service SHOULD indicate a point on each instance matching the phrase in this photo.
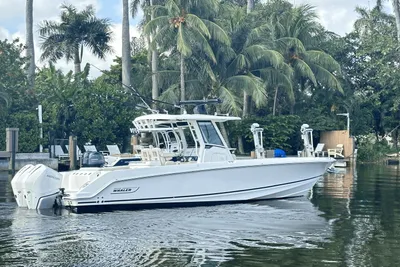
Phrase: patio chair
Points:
(90, 148)
(78, 151)
(318, 152)
(113, 150)
(57, 151)
(336, 152)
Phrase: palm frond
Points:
(171, 95)
(323, 59)
(173, 8)
(203, 45)
(231, 103)
(286, 43)
(196, 23)
(217, 33)
(239, 64)
(304, 70)
(260, 56)
(326, 78)
(182, 44)
(158, 22)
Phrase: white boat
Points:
(187, 163)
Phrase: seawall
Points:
(21, 159)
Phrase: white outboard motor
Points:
(42, 187)
(17, 184)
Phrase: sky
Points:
(336, 15)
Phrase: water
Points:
(350, 219)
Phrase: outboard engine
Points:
(18, 184)
(41, 187)
(93, 159)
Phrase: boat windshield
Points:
(209, 133)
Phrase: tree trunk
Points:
(30, 50)
(77, 61)
(246, 98)
(275, 101)
(183, 89)
(240, 145)
(396, 10)
(126, 47)
(250, 6)
(223, 129)
(154, 66)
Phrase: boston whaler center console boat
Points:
(187, 163)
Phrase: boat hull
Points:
(199, 184)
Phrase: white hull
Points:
(237, 181)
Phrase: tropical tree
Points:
(396, 11)
(12, 76)
(179, 29)
(296, 34)
(77, 29)
(60, 93)
(126, 46)
(30, 50)
(148, 5)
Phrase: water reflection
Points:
(167, 237)
(352, 219)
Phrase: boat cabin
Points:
(182, 138)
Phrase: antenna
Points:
(137, 94)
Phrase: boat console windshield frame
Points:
(194, 137)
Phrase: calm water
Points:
(350, 219)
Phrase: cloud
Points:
(339, 15)
(49, 10)
(4, 34)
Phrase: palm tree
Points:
(30, 52)
(185, 31)
(154, 55)
(126, 46)
(75, 31)
(295, 34)
(246, 61)
(396, 10)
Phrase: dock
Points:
(22, 159)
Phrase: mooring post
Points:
(12, 147)
(72, 152)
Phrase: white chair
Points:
(113, 150)
(57, 151)
(78, 151)
(318, 152)
(90, 148)
(336, 152)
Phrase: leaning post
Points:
(72, 152)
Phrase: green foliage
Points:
(12, 77)
(279, 132)
(76, 30)
(96, 111)
(28, 124)
(276, 49)
(370, 151)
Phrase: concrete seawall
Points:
(21, 159)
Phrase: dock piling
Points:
(12, 147)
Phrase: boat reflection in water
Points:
(167, 237)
